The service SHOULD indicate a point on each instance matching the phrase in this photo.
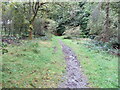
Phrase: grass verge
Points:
(35, 64)
(100, 67)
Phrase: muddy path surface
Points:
(74, 77)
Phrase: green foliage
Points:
(59, 15)
(74, 14)
(13, 12)
(4, 51)
(97, 27)
(3, 45)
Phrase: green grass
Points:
(32, 65)
(100, 68)
(36, 64)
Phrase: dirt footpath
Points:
(74, 77)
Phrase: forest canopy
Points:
(98, 20)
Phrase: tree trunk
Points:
(30, 34)
(32, 20)
(35, 9)
(106, 32)
(30, 26)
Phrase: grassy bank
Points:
(101, 68)
(33, 64)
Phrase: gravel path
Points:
(73, 77)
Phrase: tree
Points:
(106, 32)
